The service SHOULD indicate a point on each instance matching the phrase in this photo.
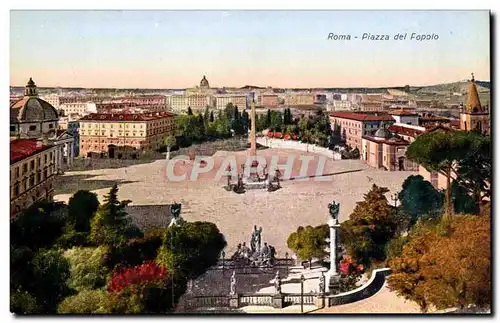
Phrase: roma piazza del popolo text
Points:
(384, 37)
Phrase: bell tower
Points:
(473, 116)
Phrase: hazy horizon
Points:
(285, 49)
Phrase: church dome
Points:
(31, 108)
(204, 82)
(473, 103)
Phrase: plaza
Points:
(300, 202)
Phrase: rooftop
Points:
(405, 130)
(127, 116)
(403, 112)
(23, 148)
(361, 116)
(388, 141)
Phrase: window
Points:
(51, 126)
(45, 159)
(25, 168)
(32, 164)
(24, 184)
(39, 177)
(16, 189)
(39, 161)
(17, 172)
(32, 180)
(32, 128)
(12, 128)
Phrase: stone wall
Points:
(371, 287)
(290, 144)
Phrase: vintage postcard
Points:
(244, 162)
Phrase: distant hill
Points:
(459, 87)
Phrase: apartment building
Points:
(139, 132)
(32, 170)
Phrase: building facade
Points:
(222, 100)
(353, 126)
(32, 171)
(269, 101)
(299, 99)
(139, 132)
(80, 108)
(405, 116)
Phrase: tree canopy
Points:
(370, 227)
(309, 242)
(446, 267)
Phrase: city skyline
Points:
(174, 49)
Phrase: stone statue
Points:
(277, 283)
(322, 284)
(266, 251)
(334, 211)
(233, 284)
(245, 251)
(175, 209)
(256, 239)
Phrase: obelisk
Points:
(253, 144)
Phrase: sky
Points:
(174, 49)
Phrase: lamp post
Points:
(302, 279)
(286, 262)
(223, 257)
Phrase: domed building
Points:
(32, 117)
(474, 116)
(204, 83)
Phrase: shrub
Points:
(350, 272)
(22, 302)
(51, 271)
(395, 247)
(136, 251)
(21, 274)
(87, 269)
(72, 238)
(309, 242)
(85, 302)
(191, 248)
(136, 277)
(38, 226)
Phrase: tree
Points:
(22, 302)
(81, 209)
(85, 302)
(39, 226)
(267, 123)
(370, 227)
(50, 271)
(245, 118)
(211, 116)
(418, 197)
(169, 141)
(191, 248)
(446, 266)
(440, 151)
(206, 116)
(309, 242)
(87, 269)
(111, 224)
(190, 111)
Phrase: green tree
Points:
(212, 116)
(111, 224)
(190, 111)
(206, 116)
(22, 302)
(370, 227)
(309, 242)
(267, 122)
(87, 269)
(169, 142)
(81, 209)
(191, 248)
(245, 121)
(418, 197)
(50, 271)
(440, 151)
(86, 302)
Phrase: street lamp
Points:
(286, 262)
(223, 257)
(302, 279)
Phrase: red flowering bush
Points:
(287, 136)
(270, 134)
(294, 137)
(278, 135)
(136, 277)
(349, 266)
